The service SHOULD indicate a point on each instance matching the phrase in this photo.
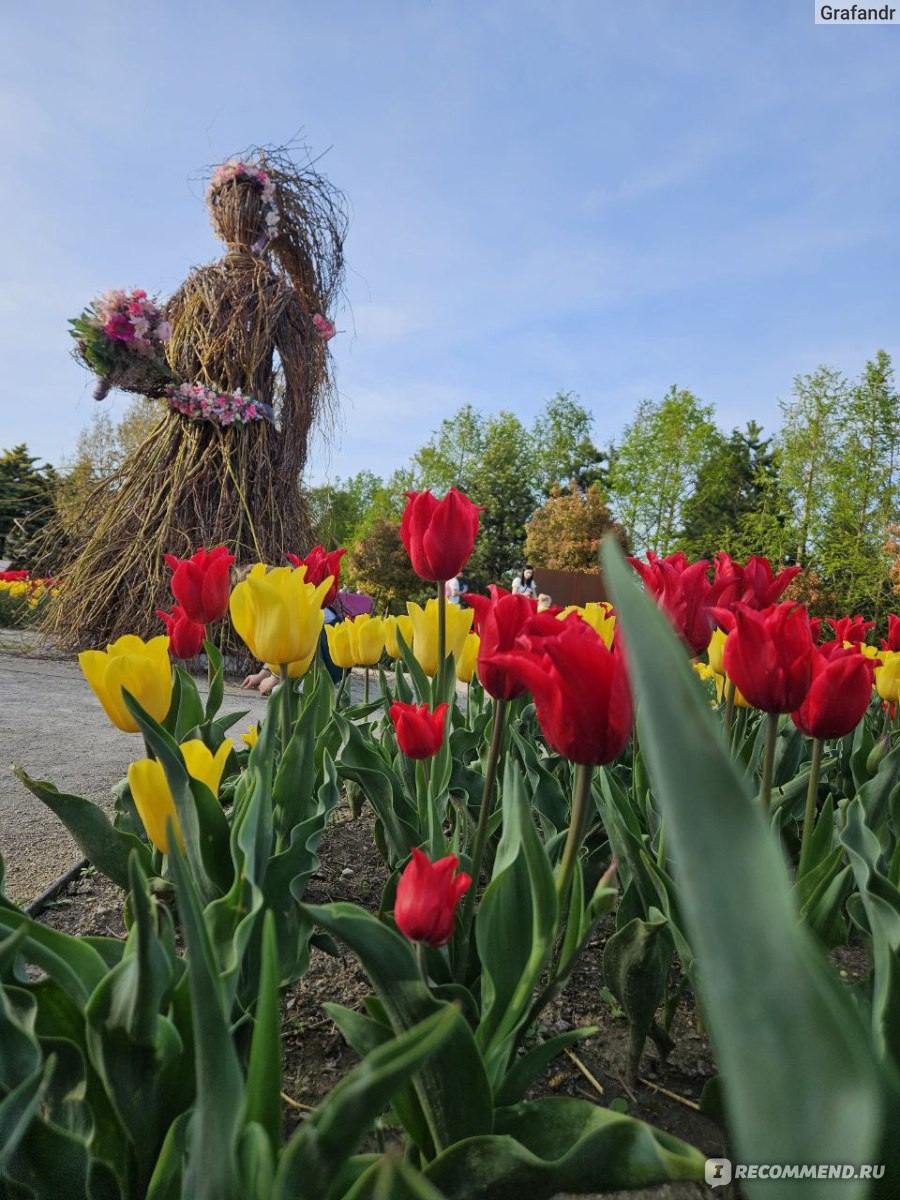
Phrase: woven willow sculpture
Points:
(248, 337)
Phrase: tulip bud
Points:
(427, 896)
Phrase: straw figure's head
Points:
(243, 205)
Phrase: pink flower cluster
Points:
(130, 318)
(324, 328)
(202, 403)
(235, 168)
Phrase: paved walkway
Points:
(52, 725)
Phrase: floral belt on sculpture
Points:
(201, 403)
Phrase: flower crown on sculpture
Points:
(236, 169)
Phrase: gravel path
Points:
(52, 725)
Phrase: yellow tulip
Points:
(600, 617)
(340, 645)
(368, 636)
(425, 632)
(717, 651)
(279, 616)
(151, 794)
(393, 626)
(142, 668)
(251, 737)
(465, 664)
(887, 676)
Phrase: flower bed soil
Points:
(316, 1056)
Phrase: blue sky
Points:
(596, 197)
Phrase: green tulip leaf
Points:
(452, 1086)
(325, 1141)
(105, 846)
(211, 1172)
(216, 679)
(545, 1147)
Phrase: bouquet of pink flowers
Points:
(201, 403)
(121, 336)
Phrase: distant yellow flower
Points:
(393, 626)
(279, 616)
(251, 737)
(599, 616)
(708, 673)
(465, 664)
(425, 632)
(368, 638)
(887, 676)
(141, 668)
(717, 651)
(340, 645)
(153, 798)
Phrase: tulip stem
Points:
(422, 959)
(367, 686)
(812, 793)
(730, 689)
(768, 760)
(481, 830)
(287, 721)
(577, 826)
(341, 686)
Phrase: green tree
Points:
(490, 459)
(379, 566)
(862, 495)
(562, 446)
(654, 467)
(102, 447)
(26, 501)
(565, 533)
(734, 483)
(808, 444)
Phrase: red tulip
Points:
(769, 654)
(580, 688)
(839, 695)
(755, 584)
(420, 731)
(850, 629)
(439, 534)
(683, 592)
(201, 584)
(427, 896)
(499, 621)
(319, 565)
(892, 641)
(185, 636)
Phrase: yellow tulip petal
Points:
(153, 801)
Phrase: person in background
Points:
(544, 602)
(524, 584)
(452, 590)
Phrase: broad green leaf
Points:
(636, 962)
(263, 1094)
(452, 1085)
(325, 1141)
(794, 1057)
(105, 846)
(211, 1172)
(545, 1147)
(529, 1065)
(216, 679)
(17, 1110)
(881, 901)
(75, 966)
(515, 927)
